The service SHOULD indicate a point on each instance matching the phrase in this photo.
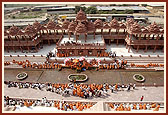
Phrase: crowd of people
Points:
(133, 106)
(74, 89)
(60, 105)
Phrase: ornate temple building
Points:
(83, 37)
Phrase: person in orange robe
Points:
(30, 104)
(125, 109)
(111, 105)
(140, 106)
(144, 106)
(156, 108)
(116, 86)
(26, 104)
(134, 107)
(153, 105)
(129, 109)
(74, 92)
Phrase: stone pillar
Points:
(101, 31)
(76, 38)
(126, 45)
(157, 37)
(137, 48)
(85, 52)
(75, 52)
(146, 48)
(21, 49)
(154, 49)
(48, 37)
(14, 49)
(130, 37)
(7, 49)
(85, 37)
(139, 37)
(109, 31)
(129, 47)
(163, 49)
(148, 37)
(69, 35)
(28, 48)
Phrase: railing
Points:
(147, 42)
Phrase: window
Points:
(99, 52)
(71, 52)
(80, 52)
(90, 52)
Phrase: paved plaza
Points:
(98, 77)
(150, 94)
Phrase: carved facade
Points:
(130, 33)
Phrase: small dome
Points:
(114, 23)
(5, 33)
(91, 26)
(42, 28)
(145, 30)
(36, 24)
(20, 32)
(122, 25)
(30, 30)
(98, 24)
(58, 27)
(65, 24)
(162, 31)
(129, 22)
(153, 28)
(81, 16)
(81, 28)
(13, 30)
(72, 26)
(51, 25)
(135, 28)
(106, 25)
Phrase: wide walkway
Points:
(150, 94)
(98, 77)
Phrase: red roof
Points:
(98, 24)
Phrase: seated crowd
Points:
(60, 105)
(116, 64)
(80, 90)
(133, 106)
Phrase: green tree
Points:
(127, 11)
(77, 8)
(144, 5)
(113, 11)
(91, 10)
